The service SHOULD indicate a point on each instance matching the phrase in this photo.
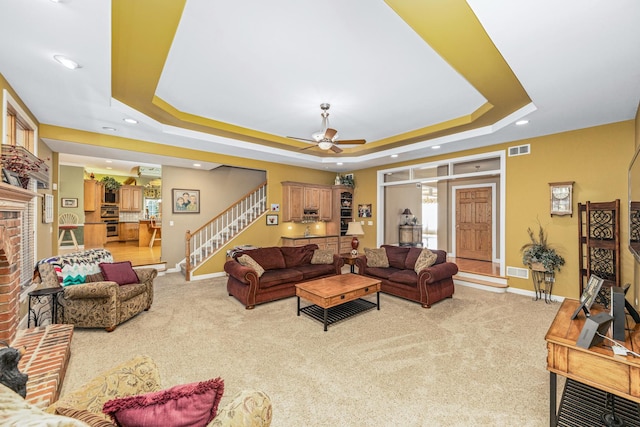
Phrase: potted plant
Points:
(538, 255)
(110, 184)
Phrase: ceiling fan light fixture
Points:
(318, 136)
(325, 145)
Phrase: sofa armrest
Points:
(146, 275)
(247, 408)
(91, 290)
(437, 272)
(338, 262)
(243, 274)
(361, 263)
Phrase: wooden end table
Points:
(350, 259)
(337, 297)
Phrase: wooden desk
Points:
(596, 366)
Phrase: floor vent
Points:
(522, 273)
(520, 150)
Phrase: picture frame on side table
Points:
(589, 295)
(272, 219)
(185, 201)
(66, 202)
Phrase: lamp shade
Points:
(355, 229)
(407, 211)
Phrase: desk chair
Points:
(68, 222)
(155, 226)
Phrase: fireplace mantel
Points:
(14, 198)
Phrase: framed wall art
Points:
(68, 202)
(185, 201)
(272, 219)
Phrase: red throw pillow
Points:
(120, 272)
(188, 405)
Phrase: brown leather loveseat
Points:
(283, 267)
(429, 286)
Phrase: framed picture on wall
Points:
(69, 202)
(272, 219)
(185, 201)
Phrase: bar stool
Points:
(68, 222)
(155, 226)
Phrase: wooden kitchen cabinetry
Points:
(306, 201)
(128, 231)
(326, 242)
(93, 195)
(130, 198)
(95, 235)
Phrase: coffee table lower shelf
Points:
(335, 314)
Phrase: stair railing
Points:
(215, 234)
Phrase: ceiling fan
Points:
(327, 138)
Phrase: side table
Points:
(38, 307)
(350, 259)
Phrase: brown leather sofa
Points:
(431, 285)
(284, 268)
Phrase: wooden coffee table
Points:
(337, 297)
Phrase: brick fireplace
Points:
(13, 200)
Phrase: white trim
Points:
(8, 99)
(454, 189)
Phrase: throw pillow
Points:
(247, 261)
(376, 257)
(120, 272)
(94, 420)
(322, 256)
(188, 405)
(425, 259)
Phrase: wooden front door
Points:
(473, 223)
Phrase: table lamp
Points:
(406, 214)
(354, 229)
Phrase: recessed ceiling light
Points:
(435, 147)
(196, 165)
(109, 161)
(69, 63)
(393, 156)
(129, 120)
(522, 122)
(109, 128)
(339, 163)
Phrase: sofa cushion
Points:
(90, 418)
(376, 257)
(247, 261)
(269, 258)
(311, 271)
(396, 255)
(126, 292)
(406, 277)
(412, 257)
(425, 260)
(381, 272)
(295, 256)
(322, 256)
(187, 405)
(120, 272)
(279, 276)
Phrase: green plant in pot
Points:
(110, 184)
(538, 255)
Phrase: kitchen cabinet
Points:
(130, 198)
(93, 194)
(311, 198)
(95, 235)
(326, 205)
(306, 202)
(324, 242)
(292, 201)
(128, 231)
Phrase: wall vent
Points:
(520, 150)
(522, 273)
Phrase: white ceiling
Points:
(267, 66)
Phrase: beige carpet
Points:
(476, 359)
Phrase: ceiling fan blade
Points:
(336, 149)
(351, 141)
(310, 146)
(301, 139)
(330, 133)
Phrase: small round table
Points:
(39, 299)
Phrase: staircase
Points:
(212, 237)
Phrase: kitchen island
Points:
(95, 234)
